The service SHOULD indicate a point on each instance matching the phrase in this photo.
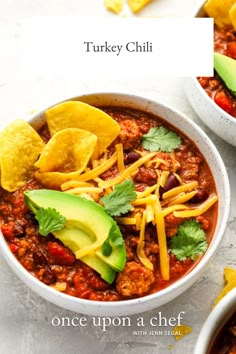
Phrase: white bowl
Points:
(152, 301)
(215, 118)
(215, 322)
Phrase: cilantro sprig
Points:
(160, 138)
(114, 238)
(49, 220)
(119, 200)
(190, 241)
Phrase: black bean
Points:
(201, 195)
(131, 157)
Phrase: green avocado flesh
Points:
(226, 69)
(86, 222)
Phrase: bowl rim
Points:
(215, 322)
(57, 297)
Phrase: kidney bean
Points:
(39, 258)
(201, 195)
(171, 183)
(131, 157)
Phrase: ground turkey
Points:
(130, 134)
(134, 280)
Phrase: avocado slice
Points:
(226, 69)
(86, 223)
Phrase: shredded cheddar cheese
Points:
(182, 198)
(172, 208)
(126, 220)
(98, 170)
(149, 213)
(138, 218)
(140, 249)
(81, 190)
(163, 178)
(198, 210)
(146, 192)
(120, 157)
(161, 235)
(183, 188)
(127, 172)
(75, 184)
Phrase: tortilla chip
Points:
(75, 114)
(230, 278)
(114, 5)
(54, 180)
(181, 330)
(68, 150)
(20, 146)
(232, 15)
(137, 5)
(219, 10)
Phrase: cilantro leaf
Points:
(49, 220)
(118, 201)
(114, 238)
(190, 241)
(160, 138)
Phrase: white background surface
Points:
(25, 318)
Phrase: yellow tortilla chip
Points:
(232, 15)
(114, 5)
(181, 330)
(219, 10)
(75, 114)
(230, 278)
(68, 150)
(20, 146)
(54, 180)
(137, 5)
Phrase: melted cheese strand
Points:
(161, 235)
(127, 172)
(179, 189)
(140, 248)
(198, 210)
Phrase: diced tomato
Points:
(8, 230)
(222, 100)
(60, 254)
(14, 248)
(231, 49)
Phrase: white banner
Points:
(124, 47)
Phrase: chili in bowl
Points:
(218, 334)
(112, 221)
(211, 99)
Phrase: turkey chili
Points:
(157, 191)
